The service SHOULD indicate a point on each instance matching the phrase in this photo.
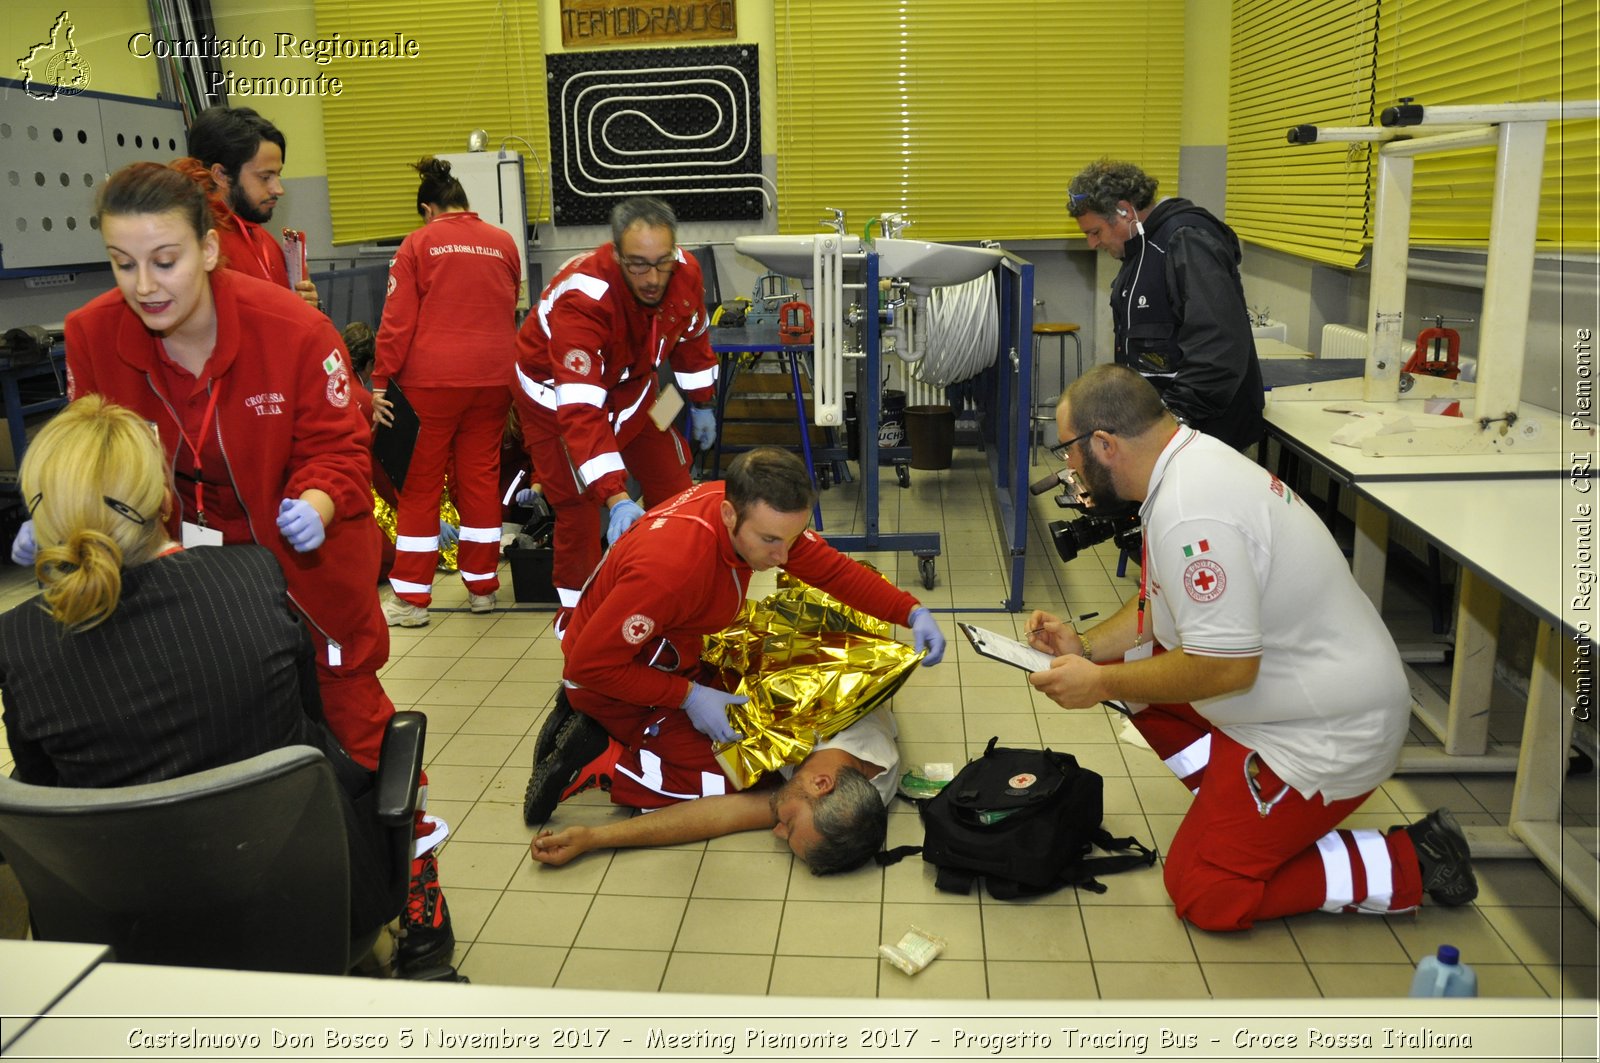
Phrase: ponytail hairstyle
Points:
(222, 216)
(184, 186)
(95, 480)
(438, 187)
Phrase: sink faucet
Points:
(836, 222)
(894, 224)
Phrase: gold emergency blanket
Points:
(810, 665)
(386, 516)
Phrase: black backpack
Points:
(1023, 819)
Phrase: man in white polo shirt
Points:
(1256, 669)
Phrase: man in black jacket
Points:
(1177, 304)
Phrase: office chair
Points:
(243, 866)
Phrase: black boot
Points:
(579, 741)
(1444, 858)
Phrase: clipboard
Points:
(998, 647)
(392, 444)
(294, 255)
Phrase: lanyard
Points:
(1144, 568)
(194, 448)
(1144, 584)
(255, 247)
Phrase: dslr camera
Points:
(1096, 525)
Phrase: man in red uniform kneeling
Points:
(631, 718)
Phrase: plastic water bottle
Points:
(1444, 975)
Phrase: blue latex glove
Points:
(448, 534)
(526, 496)
(23, 547)
(927, 636)
(299, 522)
(708, 711)
(623, 514)
(703, 427)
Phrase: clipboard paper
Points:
(1006, 650)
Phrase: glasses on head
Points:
(639, 267)
(1060, 449)
(118, 506)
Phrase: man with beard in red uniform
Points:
(245, 154)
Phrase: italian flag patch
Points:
(1196, 549)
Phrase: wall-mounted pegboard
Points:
(54, 156)
(680, 123)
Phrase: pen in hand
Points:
(1034, 631)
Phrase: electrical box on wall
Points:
(57, 153)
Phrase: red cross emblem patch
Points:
(577, 361)
(637, 628)
(1204, 580)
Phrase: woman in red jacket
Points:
(449, 335)
(250, 391)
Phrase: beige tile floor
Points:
(740, 915)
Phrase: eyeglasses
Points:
(639, 269)
(1059, 451)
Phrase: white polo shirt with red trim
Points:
(1240, 566)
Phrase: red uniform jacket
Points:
(251, 250)
(589, 355)
(636, 633)
(285, 422)
(449, 320)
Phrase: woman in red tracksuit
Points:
(250, 391)
(449, 335)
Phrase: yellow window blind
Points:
(969, 118)
(1293, 64)
(1506, 51)
(477, 67)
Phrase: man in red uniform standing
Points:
(633, 646)
(245, 154)
(586, 390)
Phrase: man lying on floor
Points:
(832, 808)
(630, 717)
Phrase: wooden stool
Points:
(1045, 412)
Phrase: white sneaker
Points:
(481, 603)
(400, 613)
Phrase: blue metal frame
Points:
(923, 544)
(1010, 390)
(1005, 424)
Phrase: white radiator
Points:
(1343, 341)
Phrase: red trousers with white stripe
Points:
(664, 759)
(1229, 865)
(659, 460)
(460, 433)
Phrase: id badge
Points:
(194, 535)
(666, 408)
